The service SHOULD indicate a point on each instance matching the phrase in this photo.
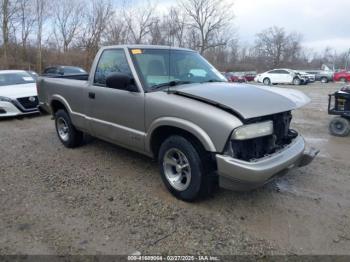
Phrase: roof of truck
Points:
(148, 47)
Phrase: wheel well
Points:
(162, 133)
(57, 105)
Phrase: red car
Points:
(250, 76)
(342, 76)
(235, 77)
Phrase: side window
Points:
(111, 61)
(273, 72)
(284, 72)
(51, 70)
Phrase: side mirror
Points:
(121, 81)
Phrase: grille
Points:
(26, 102)
(256, 148)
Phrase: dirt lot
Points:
(102, 199)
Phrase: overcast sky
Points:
(322, 22)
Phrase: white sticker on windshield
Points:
(27, 78)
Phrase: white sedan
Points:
(18, 94)
(280, 76)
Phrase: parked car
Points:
(342, 76)
(18, 94)
(63, 71)
(309, 77)
(249, 76)
(33, 74)
(235, 77)
(321, 75)
(172, 105)
(281, 76)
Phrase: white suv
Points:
(280, 76)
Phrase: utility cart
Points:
(339, 105)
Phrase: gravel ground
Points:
(102, 199)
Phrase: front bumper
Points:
(8, 109)
(241, 175)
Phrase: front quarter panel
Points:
(211, 125)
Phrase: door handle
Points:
(92, 95)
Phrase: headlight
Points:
(253, 130)
(5, 99)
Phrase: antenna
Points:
(169, 68)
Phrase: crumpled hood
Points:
(248, 101)
(17, 91)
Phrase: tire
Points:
(339, 126)
(343, 80)
(267, 81)
(67, 133)
(296, 81)
(324, 80)
(190, 181)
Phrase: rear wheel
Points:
(339, 126)
(324, 80)
(67, 133)
(343, 80)
(267, 81)
(182, 168)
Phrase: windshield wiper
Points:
(212, 81)
(170, 84)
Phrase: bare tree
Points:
(209, 18)
(139, 21)
(98, 13)
(117, 30)
(41, 8)
(174, 27)
(156, 32)
(293, 48)
(27, 21)
(67, 19)
(7, 12)
(276, 46)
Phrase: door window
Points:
(284, 72)
(51, 70)
(111, 61)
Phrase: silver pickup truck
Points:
(171, 104)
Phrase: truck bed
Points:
(71, 88)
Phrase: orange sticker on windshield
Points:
(136, 51)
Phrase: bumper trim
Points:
(257, 173)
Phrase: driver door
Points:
(116, 115)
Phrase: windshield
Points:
(157, 67)
(7, 79)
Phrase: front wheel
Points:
(67, 133)
(296, 81)
(267, 81)
(182, 168)
(339, 126)
(343, 80)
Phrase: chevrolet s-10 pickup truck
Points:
(174, 106)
